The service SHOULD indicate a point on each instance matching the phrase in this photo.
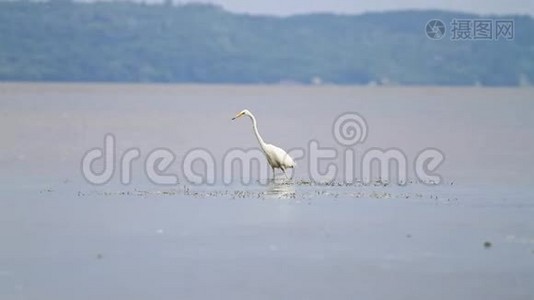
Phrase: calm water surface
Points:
(470, 237)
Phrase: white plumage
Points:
(276, 157)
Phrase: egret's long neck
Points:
(255, 127)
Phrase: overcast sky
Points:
(288, 7)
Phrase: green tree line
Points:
(133, 42)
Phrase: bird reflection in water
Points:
(280, 189)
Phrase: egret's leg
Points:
(285, 173)
(274, 176)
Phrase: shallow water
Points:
(469, 237)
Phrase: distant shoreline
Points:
(64, 41)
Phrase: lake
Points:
(467, 234)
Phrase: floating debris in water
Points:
(47, 190)
(380, 195)
(404, 195)
(272, 192)
(288, 189)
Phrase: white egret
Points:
(276, 156)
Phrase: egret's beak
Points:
(237, 116)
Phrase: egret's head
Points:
(244, 112)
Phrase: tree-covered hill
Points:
(129, 42)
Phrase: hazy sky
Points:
(287, 7)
